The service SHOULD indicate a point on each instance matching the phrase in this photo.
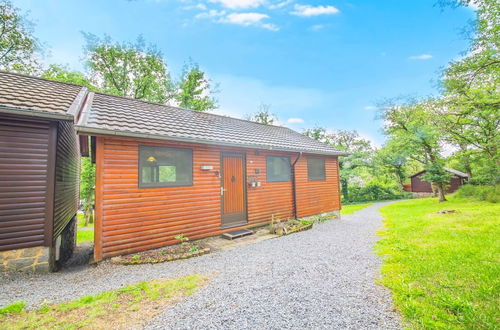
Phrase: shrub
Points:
(375, 191)
(481, 193)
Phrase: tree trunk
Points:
(440, 190)
(344, 190)
(434, 190)
(400, 175)
(466, 160)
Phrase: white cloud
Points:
(308, 10)
(317, 27)
(245, 18)
(270, 27)
(370, 107)
(295, 120)
(280, 4)
(239, 4)
(211, 13)
(199, 6)
(422, 57)
(249, 19)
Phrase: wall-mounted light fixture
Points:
(206, 167)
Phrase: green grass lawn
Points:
(128, 307)
(443, 269)
(350, 209)
(84, 235)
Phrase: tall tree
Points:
(263, 115)
(469, 111)
(194, 90)
(18, 46)
(129, 69)
(360, 156)
(393, 159)
(411, 124)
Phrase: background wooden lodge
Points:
(418, 185)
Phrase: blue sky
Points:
(322, 63)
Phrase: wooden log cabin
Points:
(418, 185)
(39, 171)
(163, 171)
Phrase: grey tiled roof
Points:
(451, 170)
(456, 172)
(36, 96)
(128, 117)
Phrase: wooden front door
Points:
(233, 190)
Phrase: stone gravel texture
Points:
(323, 278)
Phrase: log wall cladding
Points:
(131, 219)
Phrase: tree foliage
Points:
(18, 46)
(134, 70)
(411, 125)
(87, 185)
(64, 74)
(393, 160)
(194, 90)
(351, 166)
(263, 115)
(469, 110)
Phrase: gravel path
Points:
(321, 278)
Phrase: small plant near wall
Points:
(289, 226)
(321, 218)
(183, 239)
(306, 222)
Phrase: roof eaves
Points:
(81, 128)
(418, 173)
(34, 113)
(456, 172)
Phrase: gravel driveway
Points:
(321, 278)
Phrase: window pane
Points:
(147, 174)
(163, 167)
(278, 169)
(316, 169)
(167, 173)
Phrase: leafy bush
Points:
(375, 191)
(481, 193)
